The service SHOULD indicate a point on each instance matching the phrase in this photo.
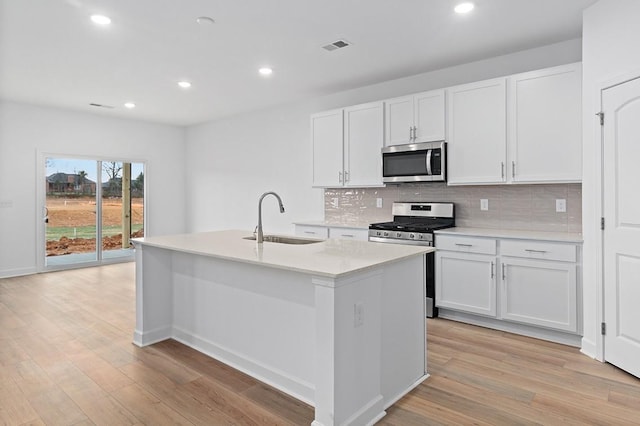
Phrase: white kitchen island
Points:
(338, 324)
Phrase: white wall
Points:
(230, 162)
(26, 130)
(611, 36)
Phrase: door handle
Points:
(429, 162)
(513, 169)
(492, 271)
(503, 273)
(340, 177)
(502, 169)
(346, 176)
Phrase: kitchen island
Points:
(338, 324)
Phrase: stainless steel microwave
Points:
(417, 162)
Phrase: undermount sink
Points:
(284, 240)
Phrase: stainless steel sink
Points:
(284, 240)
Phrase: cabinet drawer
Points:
(349, 233)
(539, 250)
(312, 231)
(466, 244)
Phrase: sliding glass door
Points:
(92, 210)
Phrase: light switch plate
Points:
(484, 204)
(379, 203)
(561, 205)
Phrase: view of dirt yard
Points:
(71, 226)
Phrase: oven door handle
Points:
(429, 162)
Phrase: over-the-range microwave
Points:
(417, 162)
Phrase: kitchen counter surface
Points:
(362, 225)
(564, 237)
(331, 258)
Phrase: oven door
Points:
(414, 163)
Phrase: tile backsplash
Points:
(525, 207)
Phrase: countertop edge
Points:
(561, 237)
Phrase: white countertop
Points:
(362, 225)
(331, 258)
(565, 237)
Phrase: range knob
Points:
(412, 236)
(398, 234)
(386, 234)
(378, 233)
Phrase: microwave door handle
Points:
(429, 162)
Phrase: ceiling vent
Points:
(339, 44)
(102, 106)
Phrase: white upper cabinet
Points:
(545, 125)
(415, 118)
(326, 137)
(477, 124)
(363, 141)
(346, 146)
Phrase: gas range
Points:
(413, 223)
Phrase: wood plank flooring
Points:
(66, 358)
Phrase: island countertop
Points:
(330, 258)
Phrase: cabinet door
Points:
(398, 121)
(545, 125)
(477, 132)
(326, 137)
(539, 293)
(349, 233)
(429, 113)
(363, 140)
(312, 231)
(466, 282)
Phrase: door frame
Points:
(598, 132)
(40, 194)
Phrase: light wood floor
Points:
(66, 358)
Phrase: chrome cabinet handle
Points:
(492, 271)
(410, 133)
(347, 235)
(415, 133)
(310, 232)
(346, 176)
(503, 273)
(464, 245)
(502, 169)
(340, 177)
(535, 251)
(513, 169)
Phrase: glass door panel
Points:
(70, 222)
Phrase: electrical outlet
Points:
(379, 203)
(561, 205)
(484, 204)
(358, 314)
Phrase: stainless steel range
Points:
(414, 223)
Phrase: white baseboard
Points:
(10, 273)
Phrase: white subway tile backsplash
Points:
(526, 207)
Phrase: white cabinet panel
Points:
(539, 293)
(349, 233)
(466, 282)
(545, 125)
(415, 118)
(312, 231)
(466, 244)
(326, 137)
(539, 250)
(477, 125)
(363, 141)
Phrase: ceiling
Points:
(52, 54)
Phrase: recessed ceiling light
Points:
(205, 20)
(464, 7)
(184, 84)
(100, 19)
(130, 105)
(265, 71)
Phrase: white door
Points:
(621, 107)
(429, 116)
(326, 136)
(363, 140)
(398, 121)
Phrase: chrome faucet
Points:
(260, 236)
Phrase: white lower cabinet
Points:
(539, 292)
(509, 281)
(466, 282)
(324, 232)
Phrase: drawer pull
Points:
(310, 232)
(464, 245)
(347, 235)
(535, 251)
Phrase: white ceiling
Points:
(51, 54)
